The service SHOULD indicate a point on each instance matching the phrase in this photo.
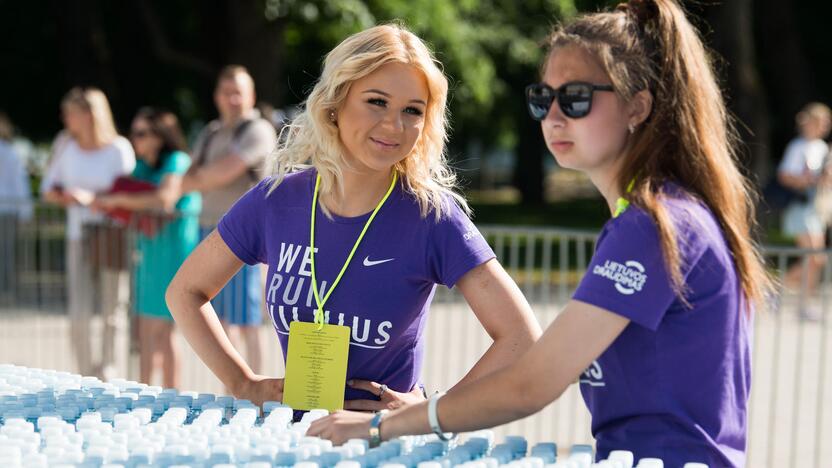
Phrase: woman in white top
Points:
(803, 171)
(87, 157)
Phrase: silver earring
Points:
(332, 116)
(632, 128)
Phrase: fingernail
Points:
(350, 382)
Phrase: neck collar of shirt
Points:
(395, 196)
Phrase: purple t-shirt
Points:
(385, 292)
(674, 385)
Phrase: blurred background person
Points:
(15, 206)
(229, 155)
(87, 157)
(802, 171)
(277, 117)
(160, 148)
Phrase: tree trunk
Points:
(84, 51)
(732, 39)
(786, 68)
(257, 43)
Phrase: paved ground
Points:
(791, 407)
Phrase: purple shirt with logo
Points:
(674, 385)
(385, 292)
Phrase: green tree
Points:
(168, 53)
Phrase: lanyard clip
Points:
(319, 318)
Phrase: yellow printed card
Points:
(316, 366)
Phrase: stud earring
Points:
(632, 128)
(332, 116)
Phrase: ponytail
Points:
(688, 138)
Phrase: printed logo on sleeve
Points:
(628, 277)
(471, 233)
(593, 375)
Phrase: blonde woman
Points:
(374, 130)
(804, 170)
(87, 157)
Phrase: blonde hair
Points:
(688, 137)
(814, 111)
(313, 138)
(94, 101)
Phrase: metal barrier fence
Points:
(789, 414)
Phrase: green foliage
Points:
(490, 49)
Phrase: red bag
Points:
(147, 223)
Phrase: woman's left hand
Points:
(388, 399)
(342, 426)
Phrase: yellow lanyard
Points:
(622, 203)
(319, 312)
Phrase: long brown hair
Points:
(689, 136)
(165, 126)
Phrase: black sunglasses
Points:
(574, 98)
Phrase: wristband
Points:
(433, 419)
(375, 432)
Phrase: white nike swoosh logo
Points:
(368, 262)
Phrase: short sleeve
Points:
(242, 227)
(794, 158)
(53, 176)
(456, 247)
(199, 145)
(176, 164)
(256, 142)
(15, 167)
(627, 274)
(126, 157)
(54, 171)
(21, 187)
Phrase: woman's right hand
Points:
(81, 196)
(260, 388)
(67, 197)
(58, 197)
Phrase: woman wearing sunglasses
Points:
(360, 238)
(657, 331)
(160, 147)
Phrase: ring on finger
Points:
(383, 389)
